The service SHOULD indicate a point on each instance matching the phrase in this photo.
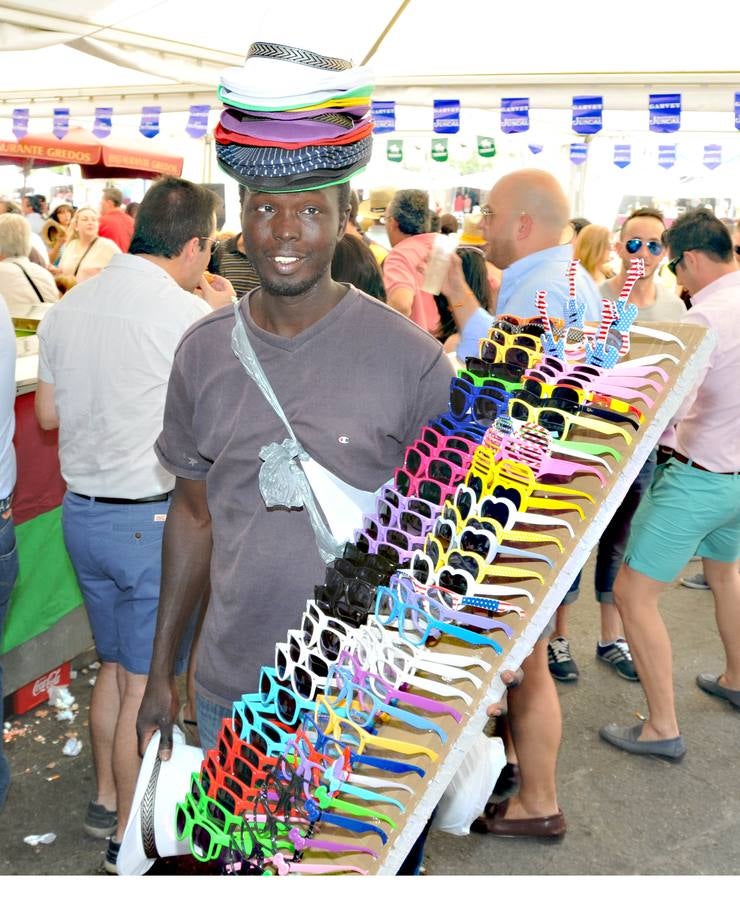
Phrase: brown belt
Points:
(674, 454)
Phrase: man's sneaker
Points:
(99, 821)
(617, 655)
(698, 582)
(561, 663)
(111, 857)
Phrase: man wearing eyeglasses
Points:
(640, 237)
(523, 222)
(104, 361)
(524, 219)
(693, 505)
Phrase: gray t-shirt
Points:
(356, 388)
(668, 307)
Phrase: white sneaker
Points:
(698, 582)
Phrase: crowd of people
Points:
(161, 433)
(46, 249)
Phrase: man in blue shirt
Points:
(524, 220)
(523, 224)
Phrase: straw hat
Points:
(150, 831)
(376, 204)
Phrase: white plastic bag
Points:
(468, 792)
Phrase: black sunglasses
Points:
(673, 264)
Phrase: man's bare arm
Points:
(401, 299)
(186, 561)
(46, 411)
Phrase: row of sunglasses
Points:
(467, 522)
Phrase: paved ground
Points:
(625, 815)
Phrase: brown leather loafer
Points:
(550, 827)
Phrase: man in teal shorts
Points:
(694, 501)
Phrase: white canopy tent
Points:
(130, 53)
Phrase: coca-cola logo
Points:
(42, 685)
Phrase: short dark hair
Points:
(172, 212)
(34, 201)
(410, 209)
(355, 263)
(114, 194)
(644, 212)
(448, 223)
(700, 229)
(578, 224)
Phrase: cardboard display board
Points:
(460, 737)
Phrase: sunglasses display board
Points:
(338, 760)
(438, 747)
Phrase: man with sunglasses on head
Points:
(104, 359)
(693, 505)
(640, 237)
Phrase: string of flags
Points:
(197, 124)
(664, 117)
(666, 156)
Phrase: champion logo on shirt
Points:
(343, 439)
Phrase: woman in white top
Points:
(86, 253)
(22, 283)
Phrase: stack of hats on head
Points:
(294, 119)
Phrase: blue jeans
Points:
(210, 716)
(613, 542)
(8, 576)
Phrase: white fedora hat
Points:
(150, 831)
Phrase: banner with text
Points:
(383, 114)
(446, 116)
(197, 125)
(103, 121)
(149, 126)
(61, 121)
(578, 154)
(514, 114)
(20, 122)
(665, 112)
(587, 114)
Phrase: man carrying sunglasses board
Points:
(641, 237)
(693, 505)
(524, 219)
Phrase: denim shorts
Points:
(116, 551)
(686, 511)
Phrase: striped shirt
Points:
(231, 263)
